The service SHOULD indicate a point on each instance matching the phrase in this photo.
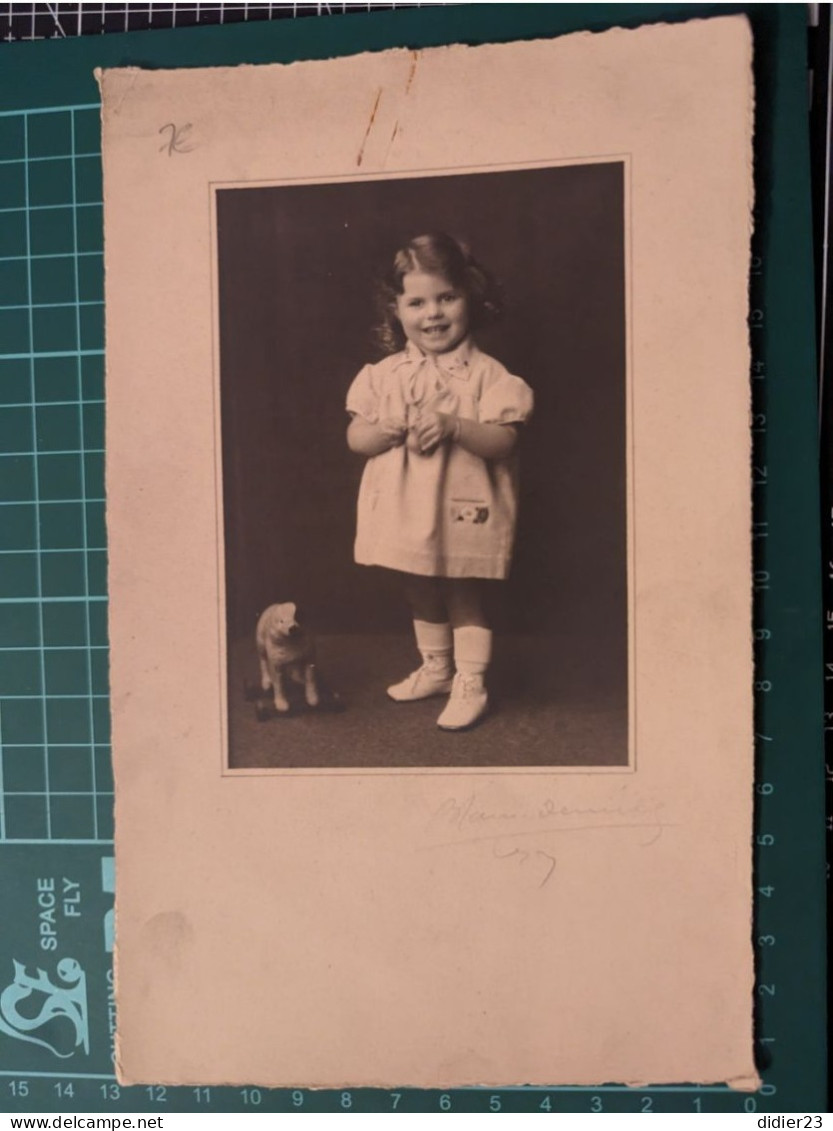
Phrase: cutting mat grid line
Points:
(56, 783)
(28, 239)
(2, 785)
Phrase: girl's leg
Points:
(433, 638)
(472, 653)
(425, 597)
(464, 599)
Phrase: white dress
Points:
(451, 513)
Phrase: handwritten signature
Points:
(477, 820)
(470, 820)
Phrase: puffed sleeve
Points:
(505, 400)
(363, 396)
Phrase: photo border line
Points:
(226, 771)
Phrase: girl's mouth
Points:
(435, 329)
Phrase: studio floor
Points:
(551, 704)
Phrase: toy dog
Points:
(286, 652)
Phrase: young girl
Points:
(437, 421)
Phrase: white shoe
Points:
(433, 678)
(467, 704)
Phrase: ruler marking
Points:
(761, 631)
(521, 1089)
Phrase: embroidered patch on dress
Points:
(464, 510)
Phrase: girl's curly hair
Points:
(436, 254)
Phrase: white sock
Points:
(434, 640)
(472, 649)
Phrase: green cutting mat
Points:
(55, 777)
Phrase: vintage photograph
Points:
(423, 450)
(429, 537)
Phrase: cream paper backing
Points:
(351, 929)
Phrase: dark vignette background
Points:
(296, 266)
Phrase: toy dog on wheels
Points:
(287, 656)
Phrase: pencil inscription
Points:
(472, 818)
(178, 140)
(515, 833)
(523, 856)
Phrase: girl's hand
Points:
(373, 439)
(432, 429)
(393, 431)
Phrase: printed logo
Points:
(41, 1012)
(57, 1004)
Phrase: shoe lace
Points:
(436, 665)
(467, 685)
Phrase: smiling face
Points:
(434, 314)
